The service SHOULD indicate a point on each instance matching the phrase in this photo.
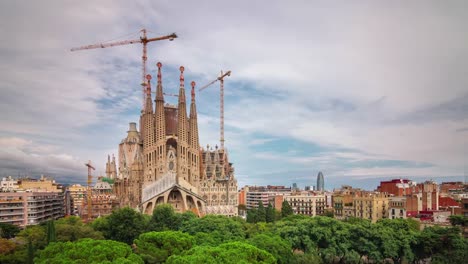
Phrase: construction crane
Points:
(169, 94)
(221, 104)
(143, 39)
(89, 192)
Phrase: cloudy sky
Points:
(361, 91)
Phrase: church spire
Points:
(149, 104)
(159, 89)
(182, 87)
(194, 143)
(182, 129)
(182, 132)
(160, 127)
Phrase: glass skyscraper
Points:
(320, 182)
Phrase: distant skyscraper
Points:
(320, 182)
(294, 187)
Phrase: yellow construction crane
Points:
(221, 104)
(143, 39)
(89, 191)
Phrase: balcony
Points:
(11, 207)
(11, 213)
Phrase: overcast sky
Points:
(360, 90)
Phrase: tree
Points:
(261, 212)
(459, 220)
(6, 246)
(221, 228)
(125, 225)
(30, 256)
(442, 245)
(36, 234)
(228, 253)
(308, 258)
(286, 209)
(275, 245)
(72, 228)
(87, 251)
(252, 215)
(156, 247)
(270, 214)
(8, 230)
(164, 218)
(51, 236)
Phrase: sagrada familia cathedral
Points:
(163, 162)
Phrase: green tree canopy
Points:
(165, 218)
(261, 212)
(6, 246)
(270, 214)
(459, 220)
(8, 230)
(124, 225)
(442, 245)
(36, 234)
(51, 235)
(72, 228)
(252, 215)
(156, 247)
(275, 245)
(87, 251)
(228, 253)
(221, 228)
(286, 209)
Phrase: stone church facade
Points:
(164, 163)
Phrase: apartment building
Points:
(397, 207)
(30, 208)
(78, 195)
(8, 184)
(255, 194)
(306, 203)
(372, 206)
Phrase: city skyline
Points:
(361, 92)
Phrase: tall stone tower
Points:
(147, 121)
(170, 151)
(194, 144)
(111, 168)
(160, 128)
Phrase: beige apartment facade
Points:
(307, 203)
(371, 206)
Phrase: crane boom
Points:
(221, 104)
(143, 39)
(124, 42)
(228, 73)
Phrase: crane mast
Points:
(143, 40)
(89, 191)
(221, 104)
